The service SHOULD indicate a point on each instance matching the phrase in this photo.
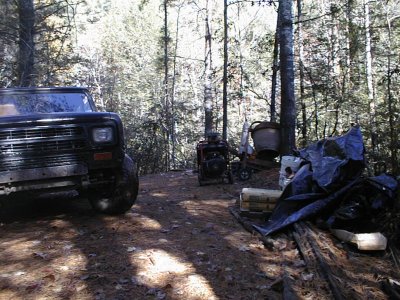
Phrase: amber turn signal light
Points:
(102, 156)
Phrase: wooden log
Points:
(325, 269)
(246, 225)
(288, 290)
(249, 227)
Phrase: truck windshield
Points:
(28, 103)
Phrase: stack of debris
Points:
(330, 187)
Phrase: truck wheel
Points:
(124, 194)
(244, 174)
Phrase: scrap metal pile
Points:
(335, 213)
(330, 186)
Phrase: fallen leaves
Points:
(188, 249)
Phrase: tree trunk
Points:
(166, 88)
(26, 42)
(393, 139)
(225, 76)
(275, 68)
(301, 70)
(288, 105)
(208, 101)
(350, 43)
(336, 94)
(370, 85)
(172, 121)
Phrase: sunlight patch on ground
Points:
(217, 203)
(162, 261)
(236, 239)
(148, 223)
(159, 268)
(204, 207)
(158, 194)
(74, 260)
(199, 287)
(18, 248)
(59, 223)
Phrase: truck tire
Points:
(244, 174)
(124, 194)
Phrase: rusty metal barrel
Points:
(266, 139)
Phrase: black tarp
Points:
(332, 168)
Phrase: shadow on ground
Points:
(178, 242)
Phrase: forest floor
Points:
(179, 241)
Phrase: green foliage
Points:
(336, 74)
(116, 49)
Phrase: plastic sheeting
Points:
(333, 168)
(333, 159)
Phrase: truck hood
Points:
(59, 118)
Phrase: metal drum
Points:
(266, 139)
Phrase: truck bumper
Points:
(69, 176)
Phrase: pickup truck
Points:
(53, 139)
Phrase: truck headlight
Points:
(103, 134)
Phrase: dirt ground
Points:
(179, 241)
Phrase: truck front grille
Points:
(41, 132)
(40, 162)
(36, 140)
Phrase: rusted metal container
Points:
(266, 139)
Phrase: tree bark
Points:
(301, 71)
(288, 105)
(208, 101)
(166, 84)
(336, 95)
(275, 68)
(393, 137)
(225, 76)
(26, 44)
(172, 118)
(370, 84)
